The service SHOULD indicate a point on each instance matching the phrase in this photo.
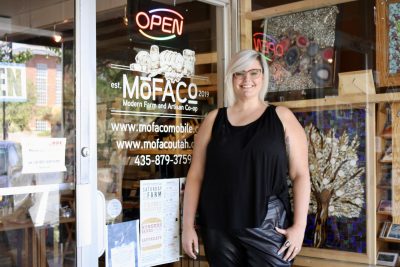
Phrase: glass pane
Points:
(157, 79)
(37, 134)
(305, 64)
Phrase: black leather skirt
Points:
(255, 247)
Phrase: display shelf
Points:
(340, 100)
(395, 114)
(390, 240)
(384, 187)
(385, 165)
(130, 205)
(386, 136)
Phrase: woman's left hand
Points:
(294, 240)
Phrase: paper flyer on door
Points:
(123, 248)
(159, 221)
(41, 155)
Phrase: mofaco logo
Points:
(167, 22)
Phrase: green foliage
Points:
(7, 56)
(58, 51)
(18, 114)
(44, 134)
(22, 57)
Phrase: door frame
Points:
(86, 134)
(227, 26)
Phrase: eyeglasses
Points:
(254, 74)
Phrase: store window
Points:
(157, 79)
(37, 134)
(305, 64)
(333, 63)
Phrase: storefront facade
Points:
(101, 101)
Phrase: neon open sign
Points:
(267, 44)
(167, 21)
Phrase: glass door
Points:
(159, 72)
(37, 134)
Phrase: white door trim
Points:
(86, 133)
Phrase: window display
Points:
(337, 169)
(300, 57)
(358, 106)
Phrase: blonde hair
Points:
(239, 62)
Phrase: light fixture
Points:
(56, 35)
(125, 18)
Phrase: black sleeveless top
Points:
(245, 165)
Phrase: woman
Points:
(238, 177)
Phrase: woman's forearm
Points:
(190, 201)
(301, 198)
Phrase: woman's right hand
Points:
(190, 242)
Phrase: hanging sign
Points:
(12, 82)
